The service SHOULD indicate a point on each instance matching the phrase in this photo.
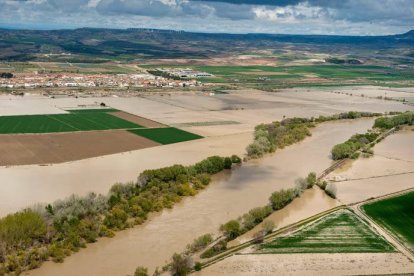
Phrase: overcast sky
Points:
(352, 17)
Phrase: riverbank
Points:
(228, 196)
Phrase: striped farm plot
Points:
(80, 134)
(70, 122)
(395, 214)
(339, 232)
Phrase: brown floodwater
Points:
(229, 195)
(390, 170)
(311, 202)
(23, 186)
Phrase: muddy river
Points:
(230, 195)
(311, 202)
(23, 186)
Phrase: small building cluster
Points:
(185, 73)
(145, 80)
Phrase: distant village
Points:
(185, 73)
(171, 78)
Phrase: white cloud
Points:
(291, 16)
(300, 12)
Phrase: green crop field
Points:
(395, 214)
(323, 71)
(62, 123)
(168, 135)
(338, 232)
(89, 120)
(269, 78)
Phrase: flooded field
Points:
(310, 203)
(377, 91)
(51, 148)
(22, 186)
(16, 105)
(391, 169)
(251, 107)
(245, 107)
(312, 264)
(229, 196)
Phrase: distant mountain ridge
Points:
(98, 44)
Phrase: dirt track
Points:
(137, 120)
(63, 147)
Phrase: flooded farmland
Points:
(391, 169)
(23, 186)
(312, 264)
(311, 202)
(229, 196)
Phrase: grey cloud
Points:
(353, 10)
(156, 8)
(68, 6)
(153, 8)
(231, 11)
(285, 16)
(279, 3)
(149, 8)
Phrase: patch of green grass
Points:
(338, 232)
(395, 214)
(62, 123)
(167, 135)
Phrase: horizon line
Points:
(16, 28)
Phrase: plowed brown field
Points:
(62, 147)
(137, 119)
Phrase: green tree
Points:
(22, 229)
(180, 265)
(235, 159)
(331, 190)
(198, 266)
(342, 151)
(227, 163)
(311, 179)
(116, 218)
(141, 271)
(200, 243)
(281, 198)
(231, 229)
(268, 226)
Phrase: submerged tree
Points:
(181, 265)
(331, 190)
(141, 271)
